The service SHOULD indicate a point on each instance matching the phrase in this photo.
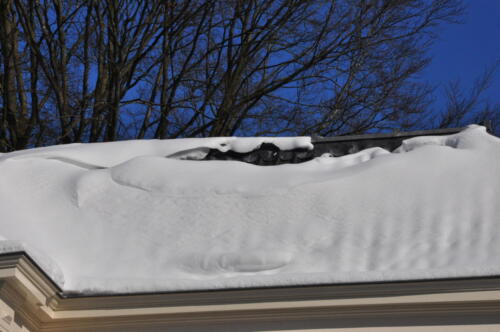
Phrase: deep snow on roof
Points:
(135, 216)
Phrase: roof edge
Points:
(29, 270)
(41, 307)
(398, 134)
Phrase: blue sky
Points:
(464, 50)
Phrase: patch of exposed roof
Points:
(267, 154)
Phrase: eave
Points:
(42, 306)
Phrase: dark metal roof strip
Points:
(433, 132)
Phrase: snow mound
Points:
(140, 216)
(181, 178)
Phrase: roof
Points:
(154, 216)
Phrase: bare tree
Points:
(88, 70)
(305, 66)
(465, 107)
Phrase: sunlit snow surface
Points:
(122, 217)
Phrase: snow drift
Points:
(139, 216)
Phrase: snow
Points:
(142, 216)
(43, 261)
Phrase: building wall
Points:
(8, 319)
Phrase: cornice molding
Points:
(279, 294)
(40, 302)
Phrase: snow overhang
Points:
(41, 305)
